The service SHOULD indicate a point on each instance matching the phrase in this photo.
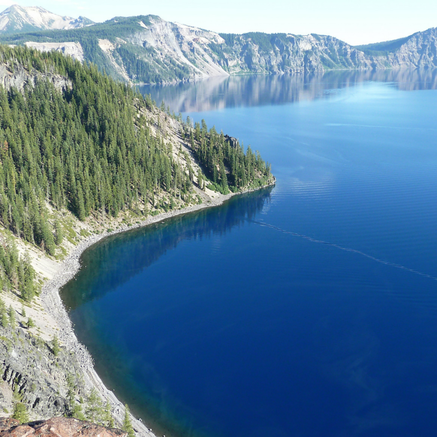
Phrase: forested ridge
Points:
(96, 148)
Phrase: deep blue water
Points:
(309, 309)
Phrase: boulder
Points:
(56, 427)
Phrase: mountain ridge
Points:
(16, 19)
(146, 49)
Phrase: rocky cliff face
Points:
(15, 75)
(147, 49)
(56, 427)
(31, 373)
(419, 51)
(193, 53)
(24, 19)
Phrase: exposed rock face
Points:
(198, 53)
(73, 49)
(24, 19)
(231, 140)
(17, 76)
(56, 427)
(28, 367)
(148, 49)
(420, 50)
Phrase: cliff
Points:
(148, 49)
(62, 124)
(56, 427)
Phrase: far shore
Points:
(53, 305)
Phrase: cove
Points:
(308, 309)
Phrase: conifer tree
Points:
(12, 319)
(55, 346)
(20, 413)
(127, 424)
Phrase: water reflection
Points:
(113, 261)
(225, 92)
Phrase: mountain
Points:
(148, 49)
(418, 50)
(83, 157)
(17, 19)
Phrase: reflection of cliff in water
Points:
(113, 261)
(256, 90)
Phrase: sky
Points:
(355, 22)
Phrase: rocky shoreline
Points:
(52, 303)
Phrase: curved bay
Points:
(308, 309)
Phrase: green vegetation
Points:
(4, 319)
(93, 147)
(20, 413)
(55, 346)
(16, 273)
(226, 166)
(383, 48)
(127, 424)
(78, 148)
(142, 64)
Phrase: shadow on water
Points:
(258, 90)
(113, 261)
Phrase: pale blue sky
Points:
(352, 21)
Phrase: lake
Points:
(307, 309)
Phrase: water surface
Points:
(308, 309)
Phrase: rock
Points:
(232, 141)
(19, 77)
(8, 423)
(57, 427)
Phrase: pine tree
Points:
(55, 346)
(4, 319)
(12, 319)
(20, 413)
(109, 420)
(127, 424)
(94, 410)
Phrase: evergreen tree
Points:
(94, 411)
(12, 319)
(127, 424)
(4, 319)
(109, 420)
(55, 346)
(20, 413)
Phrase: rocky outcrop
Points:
(30, 371)
(419, 51)
(73, 49)
(33, 18)
(56, 427)
(148, 49)
(13, 75)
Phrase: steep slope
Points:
(147, 49)
(17, 19)
(83, 157)
(418, 50)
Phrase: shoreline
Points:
(53, 305)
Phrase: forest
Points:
(90, 148)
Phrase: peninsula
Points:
(83, 157)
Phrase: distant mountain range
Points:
(148, 49)
(17, 19)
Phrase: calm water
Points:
(309, 309)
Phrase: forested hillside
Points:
(97, 148)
